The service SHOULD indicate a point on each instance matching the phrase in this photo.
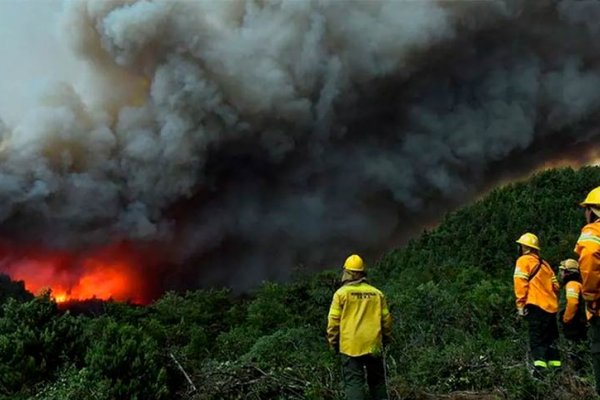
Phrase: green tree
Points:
(35, 339)
(128, 359)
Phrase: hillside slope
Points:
(459, 331)
(450, 292)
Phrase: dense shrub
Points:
(34, 340)
(449, 290)
(128, 359)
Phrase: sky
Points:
(31, 54)
(252, 137)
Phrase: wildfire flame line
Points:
(110, 273)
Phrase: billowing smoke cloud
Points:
(244, 138)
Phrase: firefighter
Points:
(359, 324)
(588, 249)
(573, 315)
(536, 289)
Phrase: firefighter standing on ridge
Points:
(536, 290)
(573, 316)
(588, 248)
(359, 323)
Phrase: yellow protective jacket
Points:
(572, 289)
(358, 319)
(588, 248)
(540, 289)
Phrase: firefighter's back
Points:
(360, 325)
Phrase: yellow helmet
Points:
(569, 265)
(529, 240)
(354, 263)
(592, 199)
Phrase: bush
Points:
(450, 293)
(35, 339)
(129, 359)
(75, 384)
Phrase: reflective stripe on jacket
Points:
(572, 290)
(588, 248)
(358, 318)
(539, 290)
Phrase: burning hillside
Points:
(109, 273)
(240, 139)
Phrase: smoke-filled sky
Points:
(32, 55)
(243, 138)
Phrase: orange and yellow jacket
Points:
(572, 289)
(588, 248)
(541, 289)
(358, 320)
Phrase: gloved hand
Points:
(521, 312)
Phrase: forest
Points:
(456, 333)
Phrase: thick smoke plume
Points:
(239, 139)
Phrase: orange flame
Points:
(109, 273)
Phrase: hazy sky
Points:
(31, 54)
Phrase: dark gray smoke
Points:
(244, 138)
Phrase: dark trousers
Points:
(594, 333)
(543, 334)
(353, 374)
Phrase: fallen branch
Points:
(184, 373)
